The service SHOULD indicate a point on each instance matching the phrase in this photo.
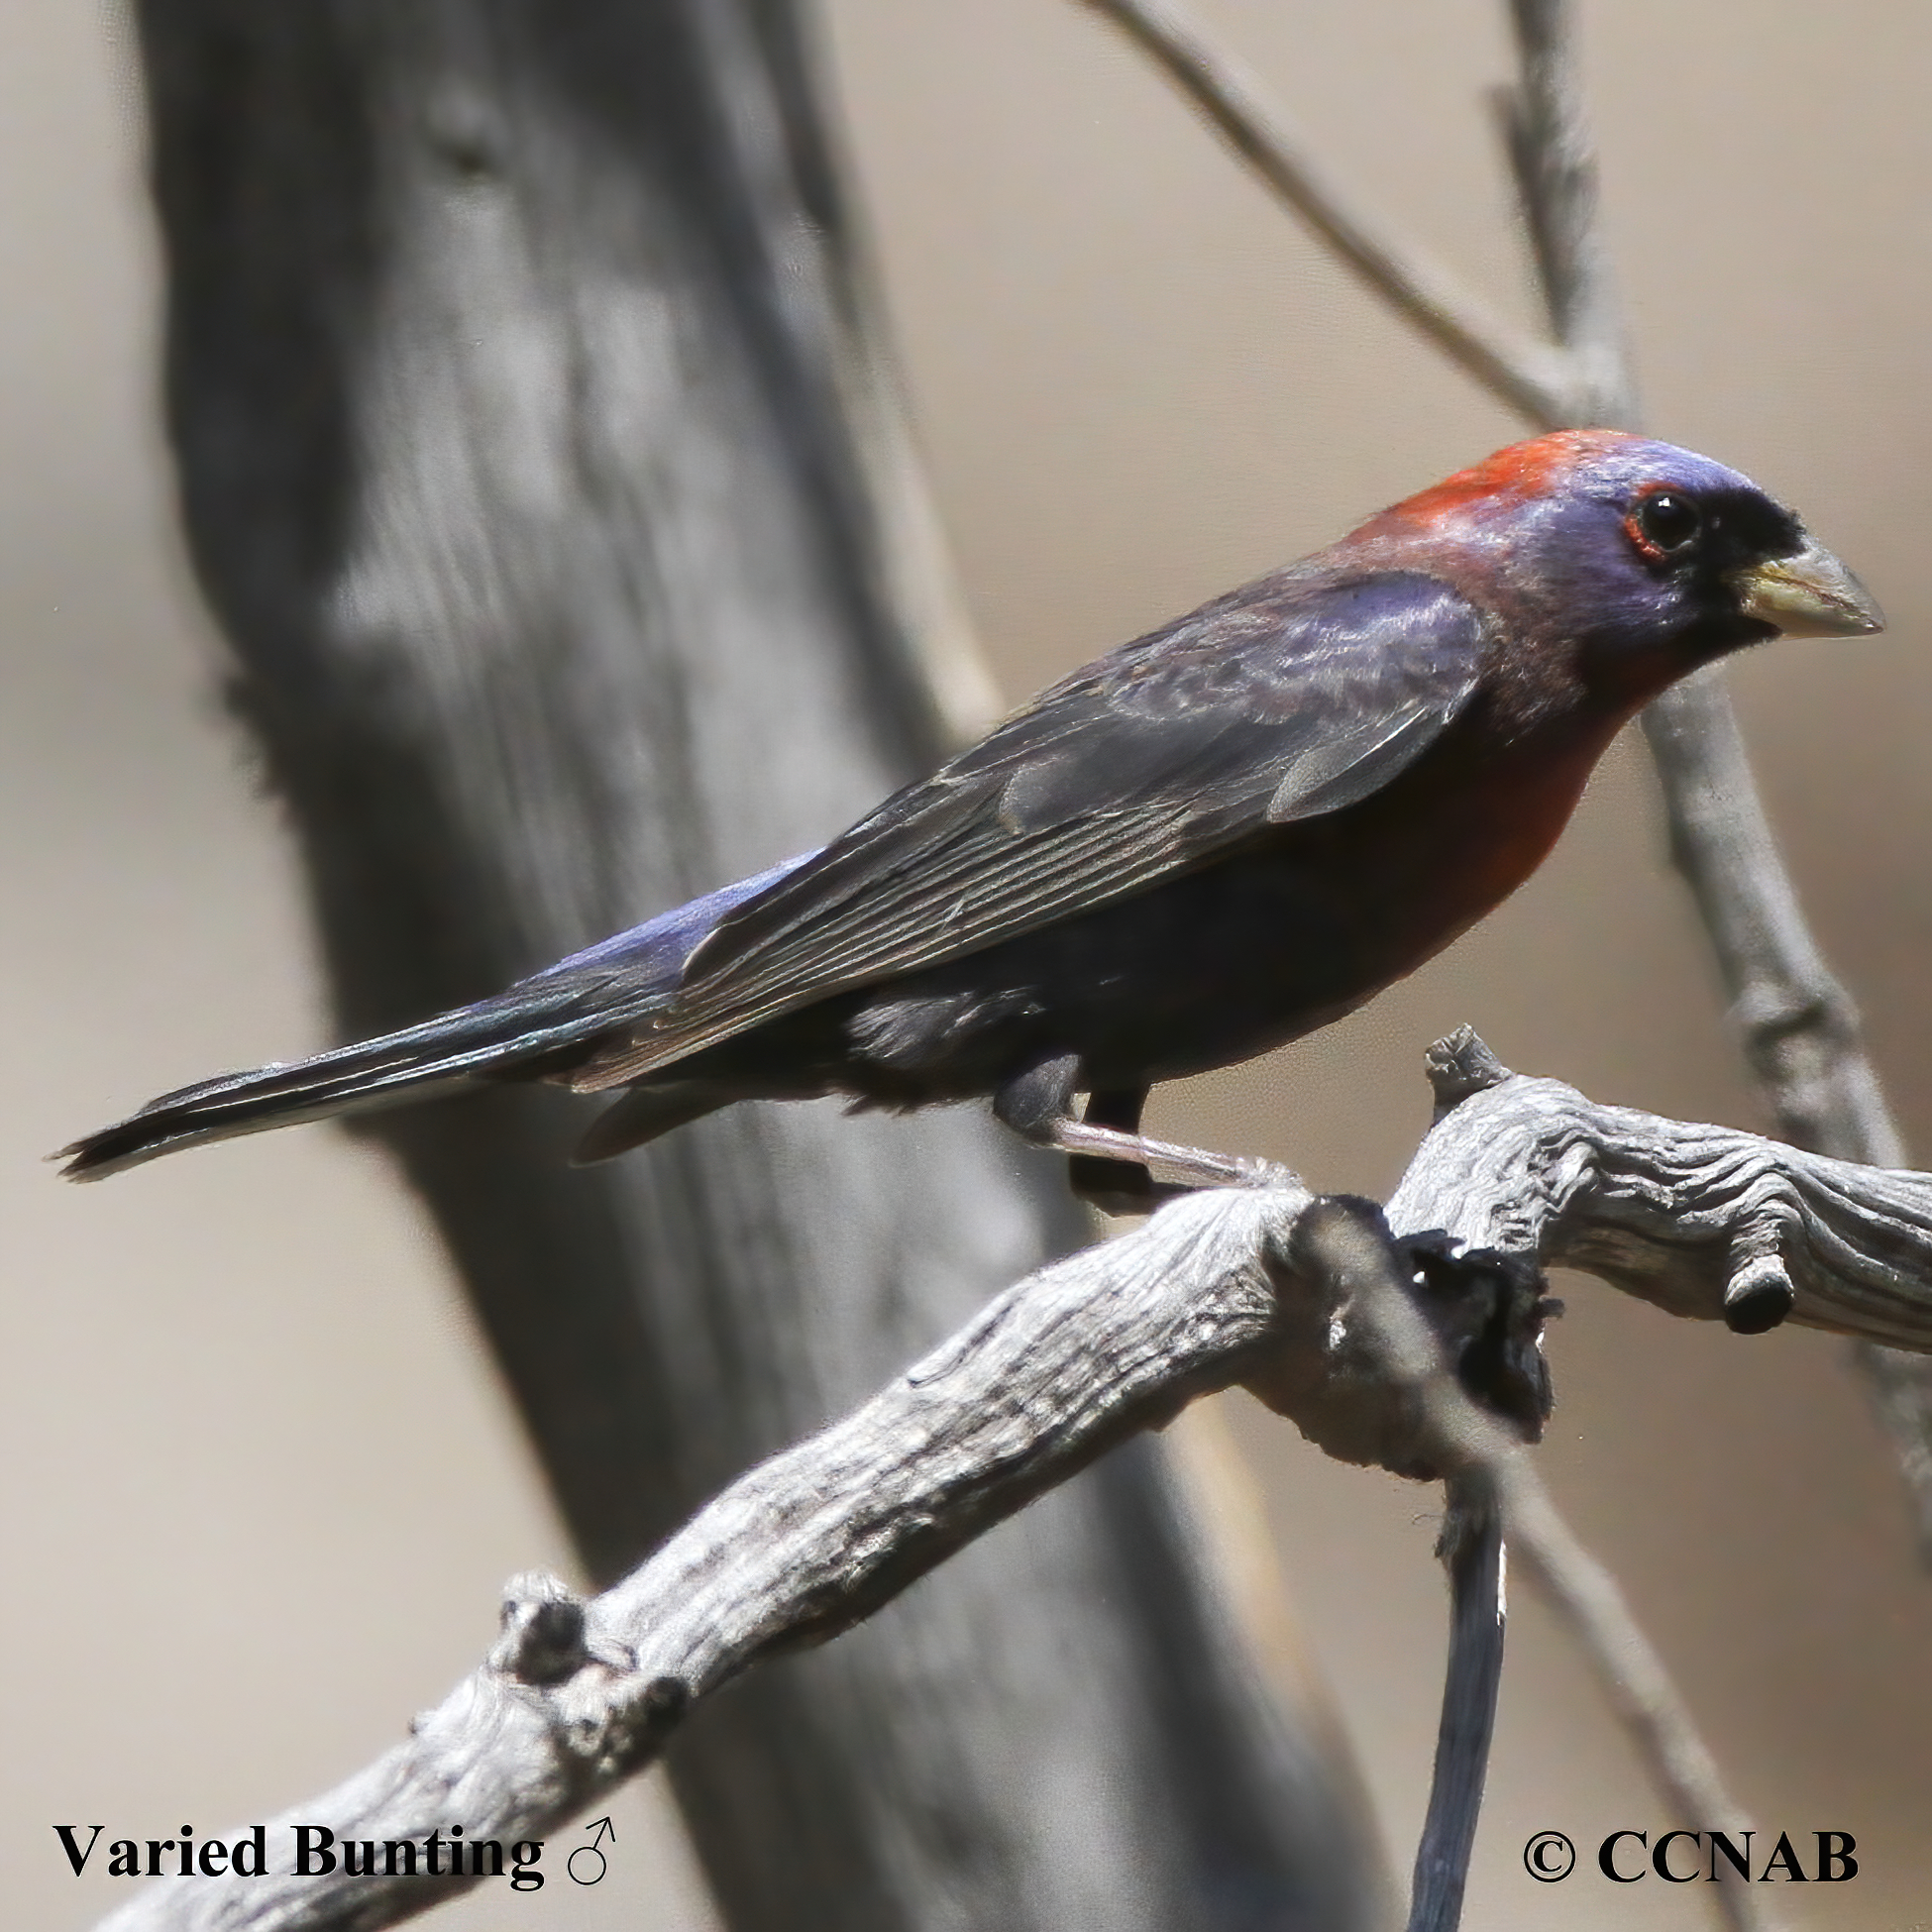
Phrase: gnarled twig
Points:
(1706, 1222)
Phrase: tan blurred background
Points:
(260, 1484)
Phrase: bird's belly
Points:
(1215, 966)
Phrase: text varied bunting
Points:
(1212, 840)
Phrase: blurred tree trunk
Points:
(528, 456)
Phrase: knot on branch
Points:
(1355, 1392)
(543, 1631)
(1488, 1311)
(1769, 1013)
(465, 130)
(1459, 1065)
(1767, 1228)
(1759, 1295)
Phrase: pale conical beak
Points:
(1811, 594)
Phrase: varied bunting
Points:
(1212, 840)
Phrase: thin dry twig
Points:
(1632, 1674)
(1798, 1029)
(1554, 159)
(1471, 1549)
(1531, 378)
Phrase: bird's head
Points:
(1650, 558)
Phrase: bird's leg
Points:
(1115, 1187)
(1192, 1166)
(1038, 1105)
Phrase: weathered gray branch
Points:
(1705, 1222)
(1797, 1027)
(575, 1699)
(1303, 1301)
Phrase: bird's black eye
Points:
(1667, 520)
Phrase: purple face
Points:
(1636, 548)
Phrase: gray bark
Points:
(1706, 1222)
(518, 395)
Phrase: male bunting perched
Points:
(1210, 841)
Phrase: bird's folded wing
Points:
(1284, 701)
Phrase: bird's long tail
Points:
(539, 1025)
(519, 1030)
